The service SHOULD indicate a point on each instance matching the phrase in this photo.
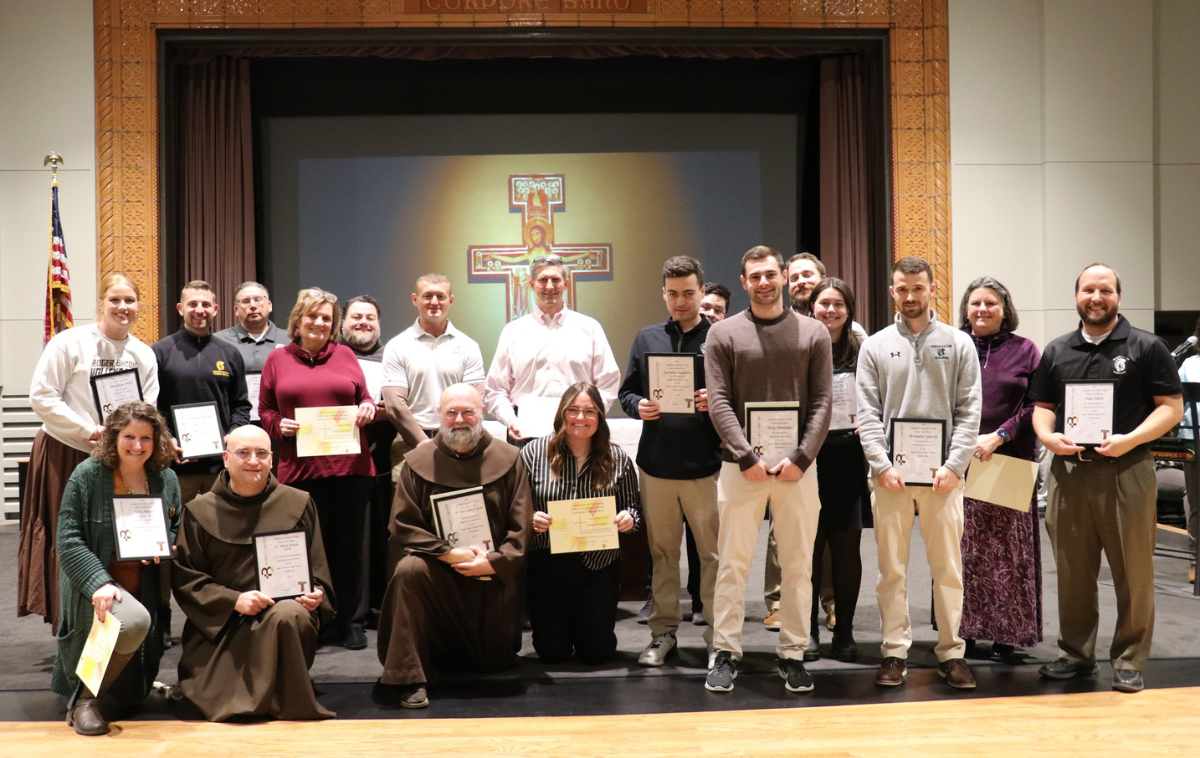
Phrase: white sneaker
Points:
(712, 656)
(661, 646)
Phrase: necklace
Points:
(145, 484)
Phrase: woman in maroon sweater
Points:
(313, 372)
(1002, 557)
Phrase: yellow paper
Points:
(580, 525)
(1004, 481)
(327, 431)
(97, 651)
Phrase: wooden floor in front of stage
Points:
(1153, 722)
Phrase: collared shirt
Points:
(426, 365)
(1137, 361)
(542, 355)
(255, 351)
(574, 485)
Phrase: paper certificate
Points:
(773, 430)
(580, 525)
(198, 430)
(918, 449)
(844, 416)
(140, 523)
(460, 517)
(535, 415)
(1088, 411)
(253, 382)
(672, 382)
(327, 431)
(282, 563)
(111, 391)
(97, 651)
(373, 373)
(1003, 480)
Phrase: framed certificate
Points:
(581, 525)
(281, 563)
(671, 382)
(1088, 411)
(198, 430)
(773, 430)
(918, 449)
(844, 413)
(253, 383)
(460, 517)
(327, 431)
(111, 391)
(140, 524)
(535, 415)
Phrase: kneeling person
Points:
(245, 654)
(444, 604)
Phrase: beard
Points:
(360, 340)
(1097, 319)
(800, 301)
(461, 438)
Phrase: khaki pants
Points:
(665, 504)
(1107, 505)
(741, 505)
(941, 527)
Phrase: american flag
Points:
(58, 278)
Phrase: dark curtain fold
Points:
(215, 222)
(849, 121)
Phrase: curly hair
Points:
(604, 465)
(107, 447)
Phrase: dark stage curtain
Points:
(849, 122)
(215, 229)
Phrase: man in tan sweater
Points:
(766, 354)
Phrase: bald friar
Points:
(458, 604)
(244, 654)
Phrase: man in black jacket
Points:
(678, 456)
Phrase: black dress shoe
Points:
(1002, 653)
(813, 651)
(1065, 668)
(1127, 680)
(844, 650)
(355, 637)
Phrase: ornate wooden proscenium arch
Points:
(127, 137)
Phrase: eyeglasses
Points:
(590, 414)
(317, 294)
(245, 454)
(256, 300)
(467, 413)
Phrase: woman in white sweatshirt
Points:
(61, 395)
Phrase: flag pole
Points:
(58, 315)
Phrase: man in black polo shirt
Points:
(679, 457)
(1102, 498)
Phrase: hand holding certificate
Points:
(282, 562)
(97, 651)
(327, 431)
(460, 517)
(111, 391)
(1088, 411)
(140, 523)
(672, 382)
(199, 430)
(581, 525)
(773, 430)
(918, 449)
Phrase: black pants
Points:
(572, 609)
(846, 564)
(693, 564)
(375, 545)
(342, 511)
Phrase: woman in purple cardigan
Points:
(314, 372)
(1001, 548)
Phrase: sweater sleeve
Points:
(718, 372)
(968, 406)
(871, 432)
(820, 401)
(76, 558)
(1023, 418)
(50, 378)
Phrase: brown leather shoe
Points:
(772, 622)
(85, 716)
(892, 672)
(956, 674)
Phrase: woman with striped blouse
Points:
(573, 596)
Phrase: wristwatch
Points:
(1003, 435)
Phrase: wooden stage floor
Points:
(1153, 722)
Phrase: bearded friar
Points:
(454, 604)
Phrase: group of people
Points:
(421, 399)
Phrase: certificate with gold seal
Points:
(581, 525)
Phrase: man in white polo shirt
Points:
(421, 362)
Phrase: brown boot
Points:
(85, 714)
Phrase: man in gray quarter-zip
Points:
(919, 369)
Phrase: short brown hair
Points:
(680, 266)
(720, 290)
(307, 301)
(1008, 321)
(433, 278)
(197, 284)
(807, 257)
(1099, 265)
(759, 253)
(911, 264)
(107, 449)
(365, 299)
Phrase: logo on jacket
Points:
(940, 352)
(220, 369)
(895, 355)
(1119, 364)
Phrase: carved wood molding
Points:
(126, 51)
